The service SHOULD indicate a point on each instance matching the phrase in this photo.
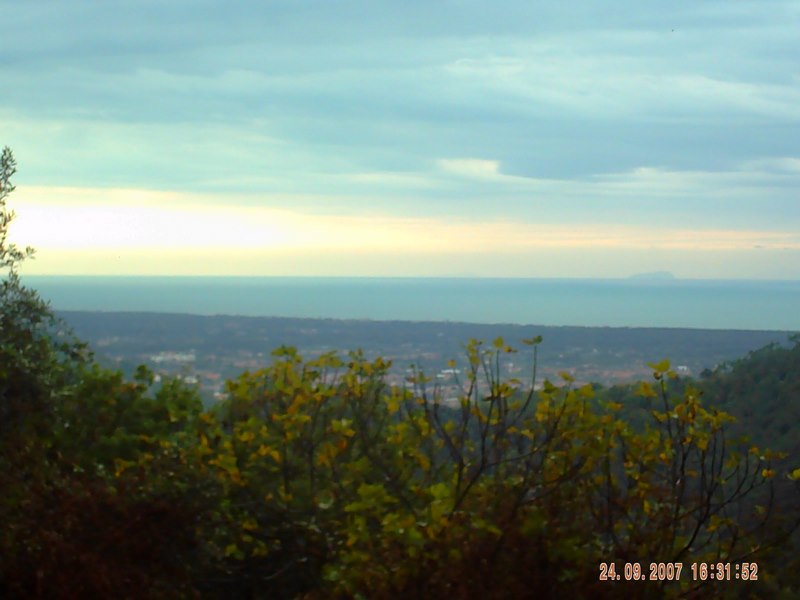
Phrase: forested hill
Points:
(763, 391)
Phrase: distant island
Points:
(659, 275)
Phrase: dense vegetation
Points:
(316, 479)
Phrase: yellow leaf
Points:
(646, 390)
(660, 367)
(121, 466)
(713, 524)
(424, 462)
(247, 436)
(250, 524)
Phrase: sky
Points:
(416, 138)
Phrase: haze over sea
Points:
(714, 304)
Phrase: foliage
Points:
(343, 486)
(762, 389)
(10, 255)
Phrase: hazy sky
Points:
(584, 139)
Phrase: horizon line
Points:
(638, 277)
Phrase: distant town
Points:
(207, 350)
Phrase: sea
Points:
(704, 304)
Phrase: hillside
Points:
(762, 390)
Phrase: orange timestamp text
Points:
(672, 571)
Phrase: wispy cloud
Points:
(408, 127)
(87, 219)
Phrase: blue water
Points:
(592, 302)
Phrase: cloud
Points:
(471, 168)
(680, 118)
(68, 218)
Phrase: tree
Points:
(31, 367)
(339, 485)
(10, 255)
(71, 527)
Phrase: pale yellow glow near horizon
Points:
(92, 231)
